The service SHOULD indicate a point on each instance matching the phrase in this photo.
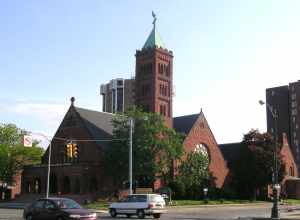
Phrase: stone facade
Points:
(82, 175)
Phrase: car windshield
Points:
(67, 204)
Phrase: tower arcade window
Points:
(163, 69)
(146, 68)
(162, 109)
(163, 90)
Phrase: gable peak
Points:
(72, 101)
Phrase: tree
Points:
(193, 174)
(253, 170)
(155, 147)
(13, 156)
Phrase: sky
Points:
(226, 53)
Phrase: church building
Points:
(90, 131)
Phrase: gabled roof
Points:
(154, 40)
(99, 124)
(184, 124)
(231, 151)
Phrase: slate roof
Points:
(154, 40)
(231, 152)
(184, 124)
(98, 123)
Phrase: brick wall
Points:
(201, 134)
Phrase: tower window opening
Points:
(162, 110)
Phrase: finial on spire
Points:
(154, 18)
(72, 101)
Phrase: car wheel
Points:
(128, 215)
(157, 215)
(140, 213)
(113, 213)
(29, 217)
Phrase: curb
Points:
(216, 205)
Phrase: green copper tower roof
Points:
(154, 39)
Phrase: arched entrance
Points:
(53, 183)
(77, 186)
(93, 186)
(28, 187)
(37, 185)
(66, 185)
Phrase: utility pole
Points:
(48, 172)
(130, 155)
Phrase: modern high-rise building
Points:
(117, 95)
(286, 101)
(154, 76)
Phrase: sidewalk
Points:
(13, 205)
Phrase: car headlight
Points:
(74, 216)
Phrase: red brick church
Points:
(153, 92)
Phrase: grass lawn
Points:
(292, 201)
(101, 204)
(209, 202)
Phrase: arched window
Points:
(202, 149)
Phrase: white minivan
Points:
(140, 205)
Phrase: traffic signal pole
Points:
(130, 155)
(48, 172)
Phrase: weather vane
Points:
(154, 18)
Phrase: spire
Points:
(154, 39)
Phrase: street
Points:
(189, 213)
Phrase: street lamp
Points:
(276, 186)
(205, 190)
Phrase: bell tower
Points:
(154, 76)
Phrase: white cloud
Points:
(48, 113)
(44, 117)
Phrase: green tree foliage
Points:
(193, 175)
(13, 156)
(252, 172)
(155, 147)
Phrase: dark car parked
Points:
(56, 209)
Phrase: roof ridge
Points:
(187, 115)
(86, 109)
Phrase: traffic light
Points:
(69, 150)
(75, 150)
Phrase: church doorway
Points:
(93, 186)
(37, 185)
(53, 184)
(77, 186)
(66, 185)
